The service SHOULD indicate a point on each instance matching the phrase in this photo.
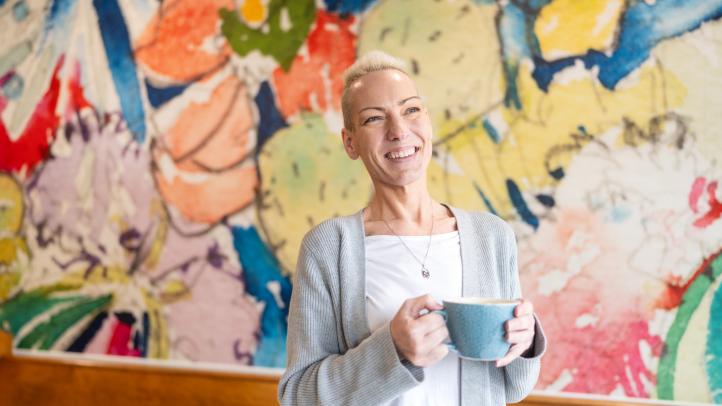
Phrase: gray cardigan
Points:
(333, 359)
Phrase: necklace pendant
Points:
(425, 272)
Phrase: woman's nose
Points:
(396, 128)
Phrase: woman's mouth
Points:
(401, 154)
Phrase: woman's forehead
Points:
(388, 86)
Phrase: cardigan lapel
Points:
(477, 264)
(353, 280)
(473, 250)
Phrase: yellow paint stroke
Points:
(161, 233)
(572, 27)
(11, 218)
(11, 206)
(174, 290)
(8, 281)
(547, 120)
(158, 342)
(98, 275)
(253, 11)
(10, 248)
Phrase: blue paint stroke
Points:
(713, 353)
(57, 22)
(546, 200)
(642, 27)
(520, 204)
(617, 214)
(260, 268)
(486, 200)
(121, 63)
(347, 6)
(271, 119)
(158, 96)
(146, 335)
(12, 87)
(491, 131)
(558, 173)
(20, 11)
(82, 341)
(512, 27)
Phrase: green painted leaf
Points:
(25, 306)
(47, 333)
(283, 36)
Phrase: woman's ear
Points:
(347, 139)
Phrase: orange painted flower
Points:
(183, 41)
(315, 82)
(204, 164)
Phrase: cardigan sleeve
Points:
(318, 371)
(521, 375)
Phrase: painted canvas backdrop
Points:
(160, 162)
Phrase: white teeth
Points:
(401, 154)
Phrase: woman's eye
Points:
(372, 119)
(411, 110)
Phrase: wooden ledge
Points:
(6, 344)
(64, 379)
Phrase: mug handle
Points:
(450, 344)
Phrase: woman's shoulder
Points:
(330, 231)
(483, 221)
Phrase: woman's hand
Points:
(519, 332)
(419, 338)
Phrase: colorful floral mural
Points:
(160, 162)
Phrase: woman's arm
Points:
(317, 371)
(522, 374)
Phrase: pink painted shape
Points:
(101, 341)
(715, 207)
(605, 354)
(120, 341)
(216, 321)
(696, 192)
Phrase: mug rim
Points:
(482, 301)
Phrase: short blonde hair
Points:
(371, 62)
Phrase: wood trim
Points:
(6, 344)
(571, 400)
(66, 380)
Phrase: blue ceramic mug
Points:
(476, 326)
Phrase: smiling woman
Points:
(364, 326)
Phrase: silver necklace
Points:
(424, 270)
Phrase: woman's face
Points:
(391, 128)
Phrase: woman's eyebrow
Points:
(408, 98)
(382, 109)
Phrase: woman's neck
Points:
(411, 203)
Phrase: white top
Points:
(392, 276)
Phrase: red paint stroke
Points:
(77, 100)
(715, 207)
(696, 192)
(671, 297)
(120, 341)
(331, 49)
(34, 143)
